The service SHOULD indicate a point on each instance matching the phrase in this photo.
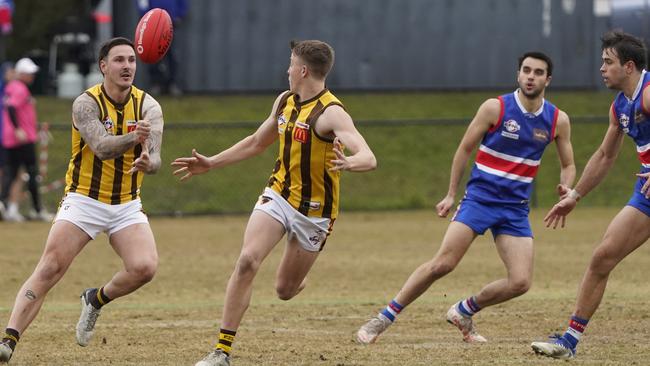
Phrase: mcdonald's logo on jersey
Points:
(301, 132)
(130, 125)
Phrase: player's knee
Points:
(144, 271)
(247, 264)
(602, 262)
(439, 268)
(50, 267)
(285, 292)
(519, 286)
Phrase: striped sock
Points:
(98, 298)
(226, 337)
(574, 332)
(11, 338)
(469, 307)
(392, 310)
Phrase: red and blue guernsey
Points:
(634, 119)
(510, 153)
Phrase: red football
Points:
(153, 35)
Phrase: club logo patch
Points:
(511, 129)
(264, 199)
(282, 124)
(624, 121)
(318, 237)
(540, 135)
(109, 125)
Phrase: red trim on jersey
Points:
(643, 109)
(613, 109)
(501, 113)
(644, 157)
(554, 124)
(521, 169)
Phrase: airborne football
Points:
(153, 35)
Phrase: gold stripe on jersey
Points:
(301, 172)
(107, 181)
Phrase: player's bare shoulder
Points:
(562, 118)
(491, 107)
(334, 113)
(152, 111)
(280, 100)
(85, 109)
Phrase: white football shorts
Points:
(311, 232)
(94, 217)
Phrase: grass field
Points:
(174, 319)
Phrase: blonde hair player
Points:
(302, 197)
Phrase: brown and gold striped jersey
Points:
(301, 172)
(107, 181)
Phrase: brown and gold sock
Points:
(11, 338)
(226, 337)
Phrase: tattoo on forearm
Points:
(85, 113)
(29, 294)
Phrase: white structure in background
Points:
(70, 82)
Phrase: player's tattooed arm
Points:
(152, 112)
(85, 116)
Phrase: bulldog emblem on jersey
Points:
(108, 125)
(282, 124)
(301, 132)
(624, 121)
(512, 127)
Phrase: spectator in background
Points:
(7, 72)
(3, 157)
(19, 133)
(163, 75)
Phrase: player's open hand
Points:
(341, 162)
(195, 165)
(142, 131)
(557, 214)
(443, 207)
(143, 162)
(646, 184)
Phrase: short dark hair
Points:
(627, 47)
(540, 56)
(318, 55)
(108, 45)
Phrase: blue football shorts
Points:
(499, 218)
(639, 202)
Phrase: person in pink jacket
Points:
(19, 135)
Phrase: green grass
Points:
(414, 158)
(174, 320)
